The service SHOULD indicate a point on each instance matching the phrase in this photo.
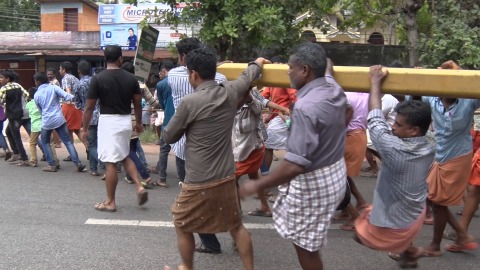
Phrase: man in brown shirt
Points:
(207, 202)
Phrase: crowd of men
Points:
(422, 166)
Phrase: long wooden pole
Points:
(401, 81)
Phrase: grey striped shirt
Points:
(401, 191)
(178, 81)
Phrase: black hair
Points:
(99, 69)
(128, 66)
(167, 64)
(312, 55)
(417, 113)
(112, 53)
(279, 59)
(187, 45)
(395, 64)
(31, 92)
(84, 68)
(131, 29)
(10, 74)
(41, 77)
(52, 70)
(203, 61)
(67, 66)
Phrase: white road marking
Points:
(169, 224)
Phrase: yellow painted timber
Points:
(402, 81)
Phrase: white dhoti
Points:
(114, 132)
(277, 134)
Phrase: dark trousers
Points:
(163, 162)
(92, 148)
(210, 241)
(15, 138)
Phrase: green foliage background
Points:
(19, 16)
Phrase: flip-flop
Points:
(259, 213)
(142, 197)
(347, 227)
(429, 253)
(160, 184)
(102, 207)
(460, 248)
(394, 256)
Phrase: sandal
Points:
(49, 169)
(160, 184)
(103, 177)
(471, 245)
(142, 197)
(259, 213)
(103, 207)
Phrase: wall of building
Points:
(25, 68)
(88, 20)
(52, 17)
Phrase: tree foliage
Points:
(455, 34)
(242, 29)
(19, 16)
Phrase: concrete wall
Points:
(365, 54)
(52, 17)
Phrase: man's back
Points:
(115, 89)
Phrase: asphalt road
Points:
(48, 222)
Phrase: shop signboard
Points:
(123, 35)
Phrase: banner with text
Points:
(120, 13)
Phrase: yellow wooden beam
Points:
(401, 81)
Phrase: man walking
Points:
(399, 203)
(311, 178)
(47, 100)
(115, 89)
(207, 202)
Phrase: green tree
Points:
(241, 29)
(19, 16)
(455, 34)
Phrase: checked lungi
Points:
(304, 207)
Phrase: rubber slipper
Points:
(160, 184)
(202, 249)
(460, 248)
(347, 227)
(394, 256)
(259, 213)
(102, 207)
(142, 197)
